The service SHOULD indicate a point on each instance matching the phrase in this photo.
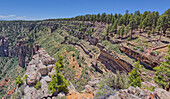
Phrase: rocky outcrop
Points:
(137, 93)
(38, 69)
(162, 94)
(92, 86)
(40, 65)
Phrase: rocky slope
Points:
(39, 69)
(137, 93)
(83, 60)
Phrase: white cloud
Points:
(14, 17)
(7, 17)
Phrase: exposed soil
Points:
(76, 95)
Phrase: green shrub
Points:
(135, 48)
(79, 64)
(149, 33)
(38, 85)
(18, 81)
(120, 81)
(158, 52)
(151, 88)
(141, 49)
(78, 57)
(25, 77)
(73, 54)
(128, 39)
(67, 62)
(105, 43)
(76, 51)
(147, 28)
(115, 48)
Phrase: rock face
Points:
(143, 58)
(19, 50)
(3, 47)
(38, 69)
(163, 94)
(137, 93)
(112, 61)
(40, 65)
(21, 53)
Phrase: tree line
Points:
(122, 24)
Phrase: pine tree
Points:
(140, 27)
(118, 32)
(163, 22)
(126, 19)
(122, 31)
(137, 19)
(108, 19)
(107, 30)
(114, 27)
(127, 30)
(144, 23)
(162, 74)
(121, 21)
(103, 17)
(134, 76)
(112, 20)
(58, 81)
(132, 24)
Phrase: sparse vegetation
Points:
(162, 74)
(38, 85)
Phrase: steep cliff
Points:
(3, 47)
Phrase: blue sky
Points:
(45, 9)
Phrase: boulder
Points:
(88, 89)
(114, 97)
(163, 94)
(44, 88)
(31, 68)
(93, 83)
(30, 93)
(52, 72)
(47, 79)
(33, 77)
(61, 94)
(43, 70)
(131, 93)
(46, 60)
